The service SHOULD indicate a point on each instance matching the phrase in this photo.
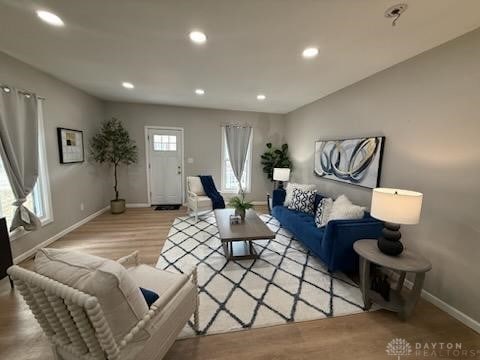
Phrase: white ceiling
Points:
(254, 46)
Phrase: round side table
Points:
(406, 262)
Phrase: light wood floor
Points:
(361, 336)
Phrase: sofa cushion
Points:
(119, 296)
(195, 185)
(323, 211)
(154, 279)
(303, 201)
(318, 198)
(343, 209)
(302, 226)
(293, 186)
(161, 281)
(203, 202)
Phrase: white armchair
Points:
(83, 326)
(197, 201)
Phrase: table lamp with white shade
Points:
(395, 207)
(281, 175)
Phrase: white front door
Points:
(165, 166)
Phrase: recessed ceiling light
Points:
(199, 91)
(310, 52)
(128, 85)
(261, 97)
(50, 18)
(198, 37)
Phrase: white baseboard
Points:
(137, 205)
(55, 237)
(450, 310)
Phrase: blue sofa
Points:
(333, 243)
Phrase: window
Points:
(229, 182)
(164, 143)
(39, 200)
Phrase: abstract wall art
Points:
(352, 161)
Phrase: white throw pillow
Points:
(343, 209)
(119, 296)
(323, 212)
(292, 186)
(303, 201)
(195, 185)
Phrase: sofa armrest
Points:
(278, 197)
(160, 304)
(192, 194)
(129, 260)
(339, 238)
(193, 203)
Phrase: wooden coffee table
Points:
(237, 238)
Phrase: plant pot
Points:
(117, 206)
(241, 213)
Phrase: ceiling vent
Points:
(395, 12)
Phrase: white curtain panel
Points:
(238, 140)
(19, 150)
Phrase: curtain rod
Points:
(22, 91)
(236, 125)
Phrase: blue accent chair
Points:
(332, 243)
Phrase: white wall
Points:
(429, 110)
(202, 142)
(65, 106)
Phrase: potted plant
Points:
(275, 158)
(113, 146)
(240, 205)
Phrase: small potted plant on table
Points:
(112, 145)
(240, 205)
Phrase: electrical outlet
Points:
(82, 207)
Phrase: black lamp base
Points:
(279, 184)
(389, 243)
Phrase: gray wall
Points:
(202, 141)
(428, 109)
(70, 184)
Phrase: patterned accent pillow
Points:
(303, 201)
(292, 186)
(323, 212)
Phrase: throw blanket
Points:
(212, 192)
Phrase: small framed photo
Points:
(70, 146)
(235, 219)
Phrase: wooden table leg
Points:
(365, 282)
(413, 296)
(226, 250)
(400, 282)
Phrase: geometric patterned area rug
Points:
(286, 283)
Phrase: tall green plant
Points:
(275, 158)
(112, 145)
